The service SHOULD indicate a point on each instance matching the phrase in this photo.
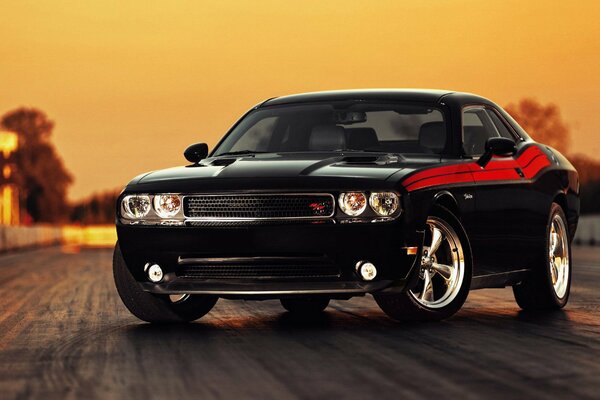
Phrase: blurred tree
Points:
(97, 209)
(543, 122)
(41, 176)
(588, 168)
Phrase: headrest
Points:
(361, 138)
(327, 137)
(432, 136)
(474, 139)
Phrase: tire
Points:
(305, 305)
(538, 291)
(448, 272)
(155, 308)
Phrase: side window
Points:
(477, 129)
(500, 125)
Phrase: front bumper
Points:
(339, 289)
(342, 246)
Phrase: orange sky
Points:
(130, 84)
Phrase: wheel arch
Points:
(572, 215)
(560, 198)
(448, 201)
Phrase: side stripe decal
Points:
(531, 162)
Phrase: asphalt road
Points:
(65, 334)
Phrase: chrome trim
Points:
(212, 219)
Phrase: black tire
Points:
(536, 292)
(154, 308)
(305, 305)
(405, 306)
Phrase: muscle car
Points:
(413, 196)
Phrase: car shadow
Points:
(336, 321)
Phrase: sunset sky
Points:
(131, 84)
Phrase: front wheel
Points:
(155, 308)
(549, 283)
(444, 274)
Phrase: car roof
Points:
(417, 95)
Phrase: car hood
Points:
(263, 170)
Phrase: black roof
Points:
(420, 95)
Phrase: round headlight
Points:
(167, 205)
(136, 206)
(384, 203)
(353, 203)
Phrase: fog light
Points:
(155, 273)
(367, 270)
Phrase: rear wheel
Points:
(155, 308)
(444, 275)
(305, 305)
(549, 284)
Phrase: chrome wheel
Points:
(442, 266)
(558, 253)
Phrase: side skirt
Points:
(500, 280)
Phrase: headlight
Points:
(384, 203)
(167, 205)
(136, 206)
(353, 203)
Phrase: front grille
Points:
(256, 222)
(258, 206)
(268, 271)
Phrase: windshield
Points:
(343, 126)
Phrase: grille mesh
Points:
(259, 206)
(221, 223)
(275, 272)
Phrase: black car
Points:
(413, 196)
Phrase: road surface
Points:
(65, 334)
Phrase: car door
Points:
(499, 232)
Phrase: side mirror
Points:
(497, 146)
(196, 152)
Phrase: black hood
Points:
(293, 171)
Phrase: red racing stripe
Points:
(433, 172)
(531, 162)
(536, 166)
(441, 180)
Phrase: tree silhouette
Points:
(543, 122)
(97, 209)
(41, 176)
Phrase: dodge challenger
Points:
(413, 196)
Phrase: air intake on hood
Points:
(369, 159)
(223, 162)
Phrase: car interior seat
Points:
(327, 137)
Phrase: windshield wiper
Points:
(240, 152)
